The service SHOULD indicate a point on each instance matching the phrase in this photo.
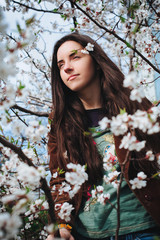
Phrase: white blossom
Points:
(65, 211)
(78, 176)
(18, 128)
(100, 189)
(139, 181)
(102, 198)
(45, 205)
(130, 80)
(131, 143)
(57, 206)
(55, 175)
(137, 94)
(112, 178)
(89, 47)
(136, 183)
(9, 225)
(119, 124)
(104, 123)
(73, 192)
(150, 156)
(29, 175)
(94, 193)
(155, 128)
(84, 51)
(65, 187)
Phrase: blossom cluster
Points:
(112, 178)
(34, 208)
(137, 92)
(74, 178)
(29, 176)
(146, 121)
(65, 210)
(88, 48)
(9, 225)
(98, 194)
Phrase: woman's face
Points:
(77, 70)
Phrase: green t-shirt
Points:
(96, 220)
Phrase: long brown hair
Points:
(70, 121)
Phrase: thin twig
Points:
(19, 117)
(34, 63)
(157, 13)
(39, 114)
(36, 9)
(74, 19)
(117, 36)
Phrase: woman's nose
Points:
(68, 67)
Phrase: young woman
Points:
(87, 86)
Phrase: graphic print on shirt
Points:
(110, 164)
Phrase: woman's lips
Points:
(72, 77)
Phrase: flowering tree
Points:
(130, 30)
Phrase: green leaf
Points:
(136, 28)
(28, 144)
(122, 19)
(55, 10)
(1, 129)
(136, 65)
(85, 167)
(21, 86)
(50, 121)
(128, 44)
(155, 102)
(27, 189)
(126, 52)
(6, 111)
(61, 171)
(35, 151)
(86, 133)
(74, 51)
(19, 28)
(64, 16)
(122, 111)
(39, 1)
(156, 175)
(30, 20)
(72, 29)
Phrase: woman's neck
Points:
(91, 98)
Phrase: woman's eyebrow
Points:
(72, 54)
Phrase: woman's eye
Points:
(60, 66)
(75, 57)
